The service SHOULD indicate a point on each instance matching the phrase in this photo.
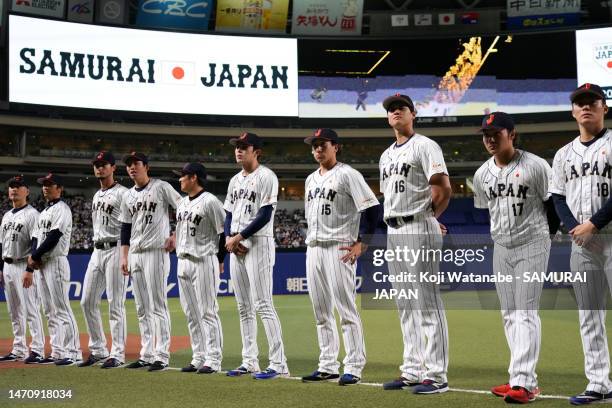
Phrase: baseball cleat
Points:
(48, 360)
(206, 370)
(399, 384)
(91, 360)
(521, 395)
(349, 379)
(319, 376)
(112, 363)
(65, 362)
(430, 387)
(269, 374)
(138, 364)
(589, 397)
(189, 369)
(158, 366)
(238, 372)
(34, 358)
(10, 357)
(501, 390)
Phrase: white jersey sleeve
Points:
(362, 194)
(228, 205)
(557, 185)
(105, 213)
(171, 196)
(55, 216)
(480, 198)
(16, 232)
(199, 223)
(432, 159)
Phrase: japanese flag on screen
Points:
(446, 18)
(178, 72)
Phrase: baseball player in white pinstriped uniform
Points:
(415, 183)
(23, 304)
(335, 195)
(513, 186)
(103, 272)
(52, 235)
(580, 186)
(200, 250)
(250, 205)
(145, 243)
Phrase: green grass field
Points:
(478, 360)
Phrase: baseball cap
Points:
(51, 179)
(17, 181)
(588, 89)
(402, 100)
(135, 156)
(192, 168)
(497, 121)
(104, 157)
(323, 133)
(249, 139)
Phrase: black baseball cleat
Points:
(34, 358)
(65, 362)
(206, 370)
(10, 357)
(158, 366)
(319, 376)
(138, 364)
(91, 360)
(112, 363)
(48, 360)
(189, 369)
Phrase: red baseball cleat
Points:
(520, 395)
(501, 390)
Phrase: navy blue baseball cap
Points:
(588, 89)
(50, 179)
(192, 168)
(497, 121)
(135, 156)
(104, 157)
(324, 134)
(398, 100)
(248, 139)
(17, 181)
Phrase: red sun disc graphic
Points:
(609, 64)
(178, 72)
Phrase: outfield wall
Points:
(290, 272)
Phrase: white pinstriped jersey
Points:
(247, 194)
(514, 196)
(105, 211)
(333, 202)
(405, 171)
(584, 175)
(147, 210)
(16, 232)
(199, 223)
(55, 216)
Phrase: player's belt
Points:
(397, 222)
(105, 245)
(10, 260)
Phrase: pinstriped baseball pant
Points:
(149, 270)
(104, 273)
(422, 320)
(23, 306)
(591, 299)
(251, 275)
(63, 330)
(331, 283)
(520, 304)
(198, 286)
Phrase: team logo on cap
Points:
(100, 155)
(318, 133)
(490, 119)
(48, 176)
(18, 178)
(133, 153)
(243, 136)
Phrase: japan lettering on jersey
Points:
(16, 232)
(333, 202)
(247, 194)
(199, 223)
(105, 211)
(405, 171)
(514, 196)
(147, 210)
(56, 215)
(583, 175)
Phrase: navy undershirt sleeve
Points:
(564, 212)
(227, 226)
(126, 233)
(48, 244)
(264, 215)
